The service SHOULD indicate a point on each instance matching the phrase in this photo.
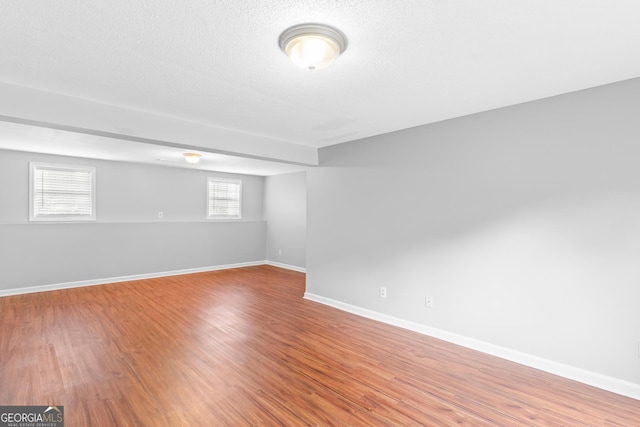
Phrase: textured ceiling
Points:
(218, 64)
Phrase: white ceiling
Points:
(209, 75)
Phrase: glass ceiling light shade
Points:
(312, 46)
(192, 158)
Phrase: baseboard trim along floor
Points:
(286, 266)
(614, 385)
(68, 285)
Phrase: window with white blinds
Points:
(225, 198)
(62, 192)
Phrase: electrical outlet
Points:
(428, 302)
(279, 251)
(160, 214)
(383, 292)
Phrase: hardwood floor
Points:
(242, 347)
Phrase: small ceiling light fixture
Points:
(312, 46)
(192, 158)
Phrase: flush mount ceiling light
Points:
(312, 46)
(192, 158)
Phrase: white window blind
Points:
(61, 193)
(225, 199)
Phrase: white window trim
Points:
(224, 217)
(60, 218)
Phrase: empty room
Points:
(319, 213)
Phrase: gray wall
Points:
(522, 223)
(128, 238)
(285, 210)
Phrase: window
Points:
(224, 198)
(61, 192)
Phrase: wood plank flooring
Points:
(242, 347)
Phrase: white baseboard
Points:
(68, 285)
(287, 266)
(624, 388)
